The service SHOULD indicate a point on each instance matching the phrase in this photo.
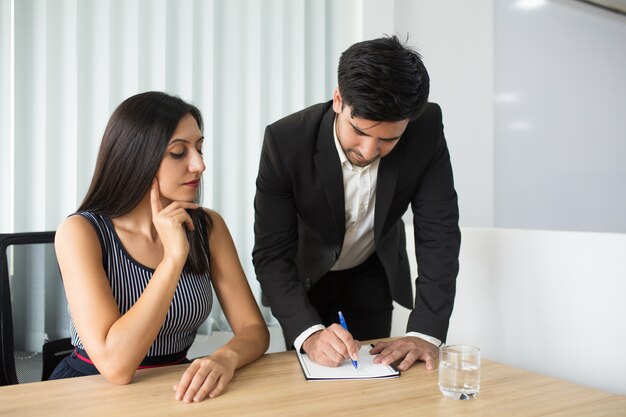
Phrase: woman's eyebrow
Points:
(175, 140)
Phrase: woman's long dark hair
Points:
(132, 148)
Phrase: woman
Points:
(139, 257)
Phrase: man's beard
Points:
(356, 158)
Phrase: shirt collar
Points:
(342, 155)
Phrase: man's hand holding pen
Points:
(331, 346)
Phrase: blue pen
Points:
(342, 321)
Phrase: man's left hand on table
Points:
(409, 349)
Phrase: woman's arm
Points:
(209, 376)
(118, 343)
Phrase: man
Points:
(334, 181)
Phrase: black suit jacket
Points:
(299, 218)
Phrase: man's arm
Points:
(437, 243)
(276, 241)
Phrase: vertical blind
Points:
(66, 64)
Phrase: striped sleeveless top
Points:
(190, 306)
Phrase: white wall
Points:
(455, 38)
(551, 302)
(533, 95)
(560, 126)
(533, 101)
(548, 301)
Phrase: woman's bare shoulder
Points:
(77, 233)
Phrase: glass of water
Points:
(459, 371)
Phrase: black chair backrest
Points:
(33, 316)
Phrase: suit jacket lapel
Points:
(388, 171)
(329, 168)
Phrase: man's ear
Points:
(337, 100)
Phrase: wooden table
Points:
(274, 386)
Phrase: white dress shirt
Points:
(359, 189)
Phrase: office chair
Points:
(33, 316)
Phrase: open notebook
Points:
(367, 368)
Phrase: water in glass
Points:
(459, 380)
(459, 371)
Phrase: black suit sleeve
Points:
(437, 243)
(276, 241)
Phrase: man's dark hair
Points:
(383, 80)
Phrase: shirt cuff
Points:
(305, 335)
(425, 337)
